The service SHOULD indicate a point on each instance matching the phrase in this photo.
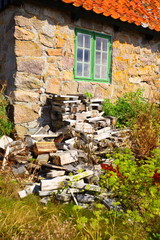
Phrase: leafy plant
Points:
(6, 126)
(88, 94)
(126, 108)
(133, 184)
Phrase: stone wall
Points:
(7, 55)
(44, 49)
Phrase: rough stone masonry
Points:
(37, 58)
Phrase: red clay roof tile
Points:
(140, 12)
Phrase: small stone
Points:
(85, 198)
(54, 52)
(60, 42)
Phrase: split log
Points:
(44, 147)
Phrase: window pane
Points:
(86, 70)
(86, 55)
(87, 41)
(97, 71)
(104, 58)
(98, 43)
(98, 57)
(104, 72)
(104, 44)
(80, 39)
(79, 69)
(79, 54)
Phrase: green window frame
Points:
(92, 57)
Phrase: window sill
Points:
(93, 81)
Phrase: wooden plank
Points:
(96, 100)
(45, 135)
(95, 119)
(55, 173)
(51, 184)
(102, 136)
(84, 127)
(102, 130)
(53, 166)
(44, 147)
(66, 101)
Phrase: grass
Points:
(28, 219)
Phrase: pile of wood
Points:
(80, 136)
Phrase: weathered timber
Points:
(43, 158)
(55, 173)
(84, 127)
(28, 190)
(95, 119)
(102, 136)
(79, 176)
(66, 157)
(55, 183)
(53, 166)
(102, 130)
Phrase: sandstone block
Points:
(45, 41)
(69, 87)
(53, 86)
(67, 63)
(52, 71)
(86, 86)
(28, 48)
(22, 21)
(25, 96)
(22, 34)
(27, 81)
(135, 80)
(30, 65)
(49, 30)
(21, 130)
(67, 75)
(60, 42)
(37, 23)
(54, 52)
(23, 114)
